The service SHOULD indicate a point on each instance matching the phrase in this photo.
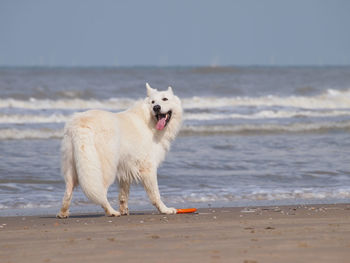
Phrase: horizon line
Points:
(174, 66)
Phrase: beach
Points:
(311, 233)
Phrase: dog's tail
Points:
(88, 165)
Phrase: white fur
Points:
(99, 147)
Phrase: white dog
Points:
(99, 147)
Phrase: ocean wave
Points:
(264, 114)
(231, 197)
(262, 195)
(29, 205)
(70, 104)
(331, 99)
(19, 134)
(27, 118)
(189, 130)
(247, 129)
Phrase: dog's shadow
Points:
(81, 216)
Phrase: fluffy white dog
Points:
(99, 147)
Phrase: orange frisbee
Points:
(186, 210)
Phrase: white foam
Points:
(299, 193)
(265, 128)
(32, 205)
(226, 195)
(331, 99)
(26, 118)
(2, 206)
(16, 134)
(74, 104)
(266, 114)
(259, 195)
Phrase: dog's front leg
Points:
(150, 184)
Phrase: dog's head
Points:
(164, 107)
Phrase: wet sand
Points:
(313, 233)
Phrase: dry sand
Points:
(319, 233)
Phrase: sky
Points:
(174, 33)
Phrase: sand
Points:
(313, 233)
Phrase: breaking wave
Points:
(264, 114)
(262, 195)
(189, 130)
(267, 114)
(17, 134)
(27, 118)
(70, 104)
(292, 196)
(243, 129)
(329, 111)
(331, 99)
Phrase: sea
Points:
(251, 135)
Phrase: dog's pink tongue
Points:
(161, 124)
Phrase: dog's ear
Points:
(170, 90)
(149, 89)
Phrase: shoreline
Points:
(91, 208)
(292, 233)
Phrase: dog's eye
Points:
(152, 101)
(165, 99)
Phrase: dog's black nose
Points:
(156, 108)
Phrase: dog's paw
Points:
(113, 213)
(124, 211)
(169, 211)
(62, 215)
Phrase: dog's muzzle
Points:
(162, 118)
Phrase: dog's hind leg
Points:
(89, 170)
(150, 184)
(69, 174)
(67, 198)
(124, 187)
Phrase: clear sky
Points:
(182, 32)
